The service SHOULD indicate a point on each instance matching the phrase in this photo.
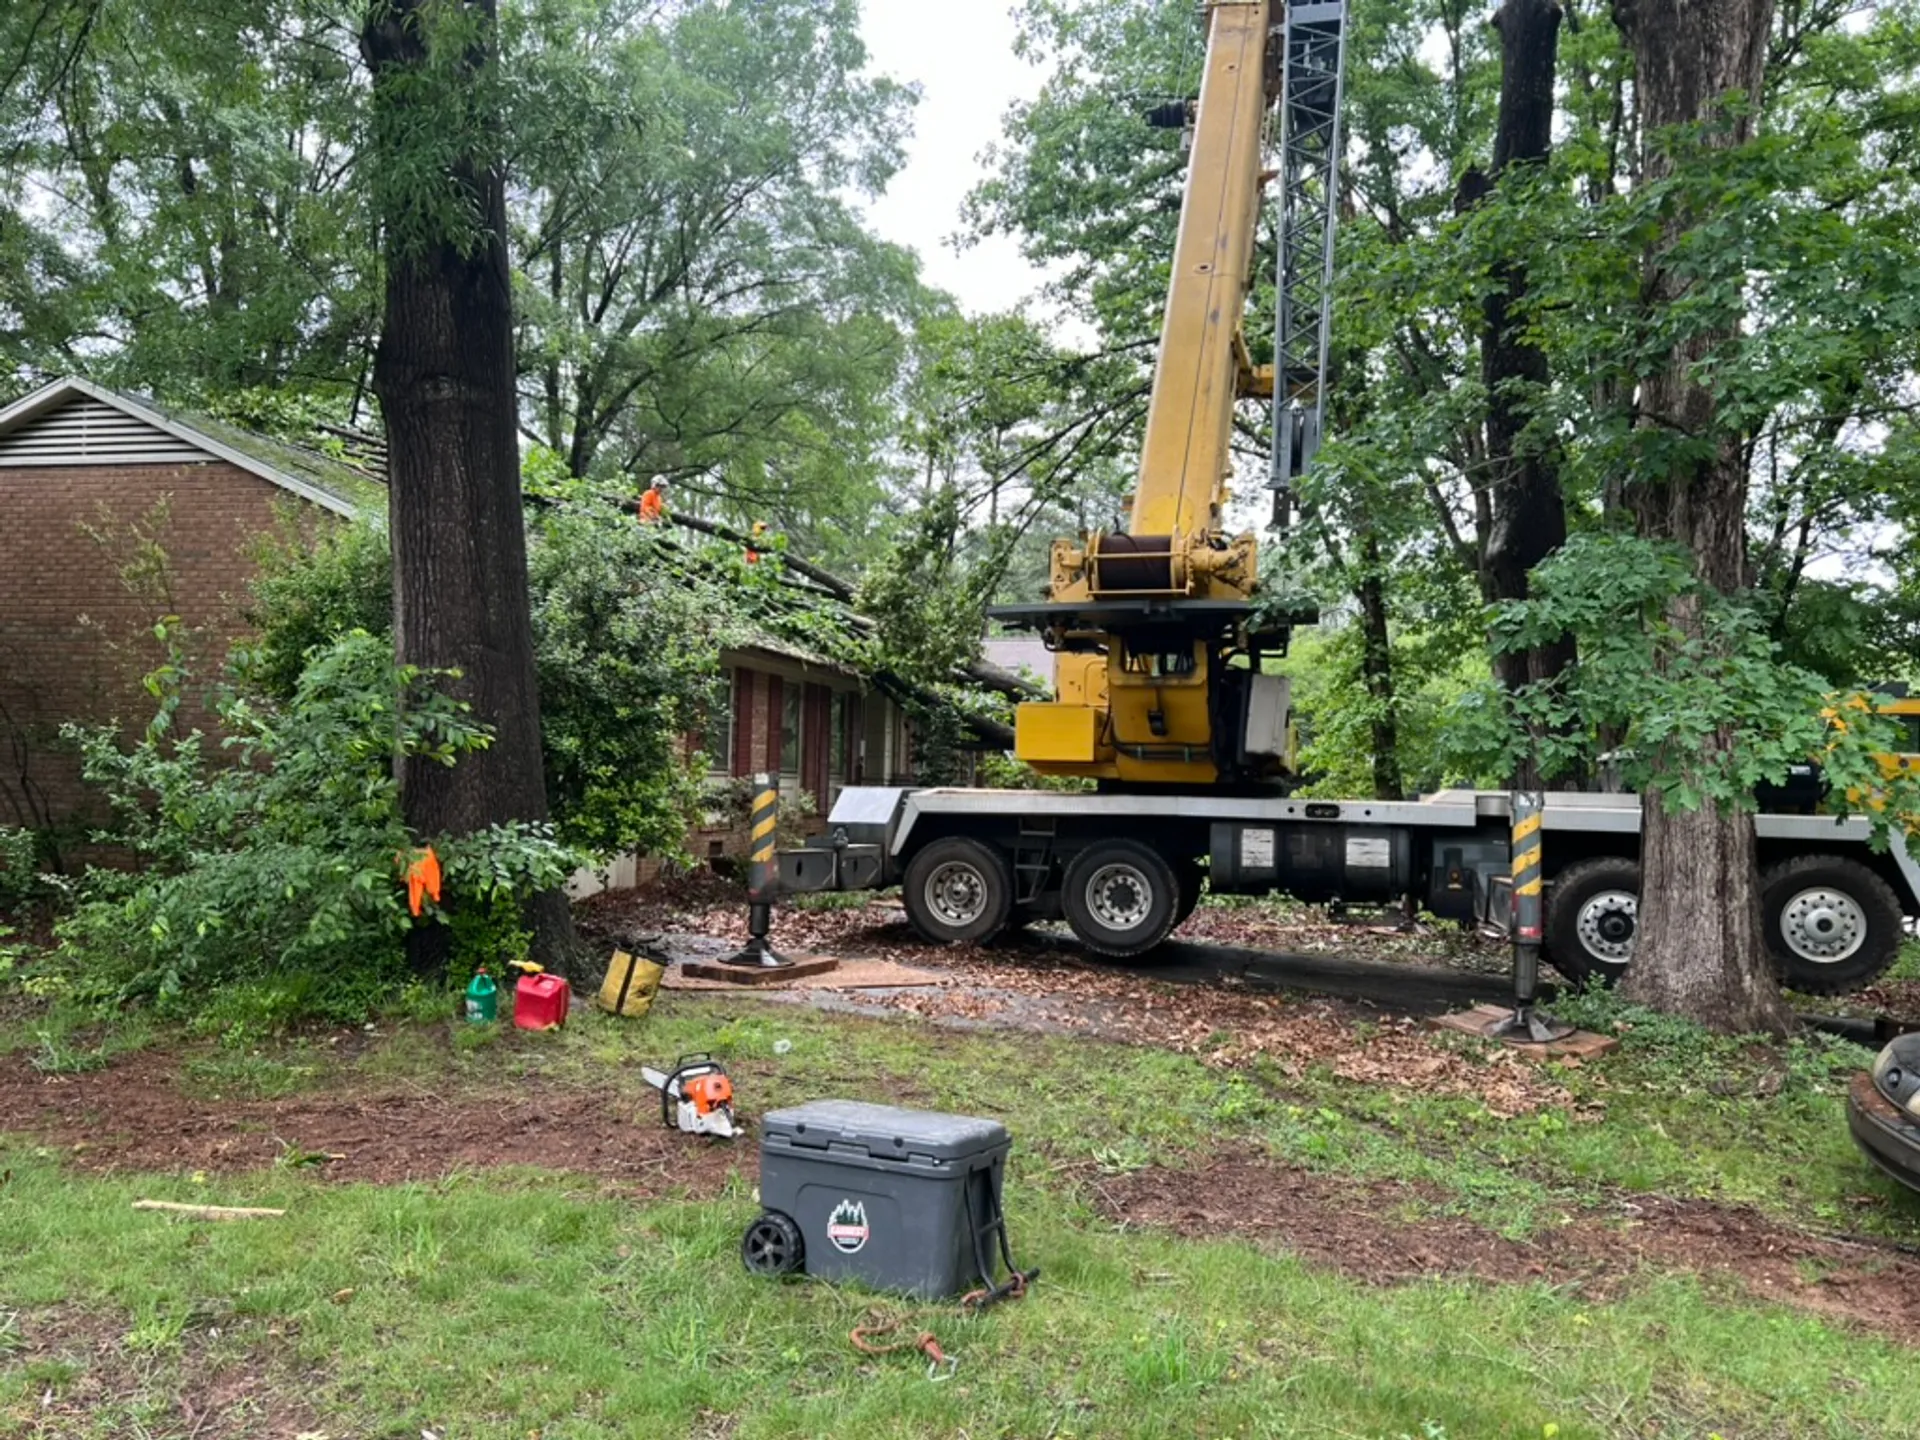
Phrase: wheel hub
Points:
(1607, 924)
(769, 1248)
(1119, 897)
(1823, 926)
(956, 893)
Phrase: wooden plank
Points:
(852, 975)
(1481, 1019)
(758, 975)
(209, 1212)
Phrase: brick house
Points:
(114, 511)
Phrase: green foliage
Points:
(626, 644)
(211, 230)
(1000, 771)
(1687, 680)
(490, 934)
(697, 293)
(307, 591)
(627, 655)
(280, 860)
(20, 882)
(1334, 714)
(928, 614)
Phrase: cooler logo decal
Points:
(847, 1227)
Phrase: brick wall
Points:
(75, 634)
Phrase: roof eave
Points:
(31, 407)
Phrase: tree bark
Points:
(1376, 673)
(1529, 517)
(444, 373)
(1699, 951)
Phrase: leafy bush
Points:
(281, 863)
(728, 802)
(998, 771)
(307, 592)
(627, 651)
(624, 641)
(20, 883)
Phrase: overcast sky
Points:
(961, 54)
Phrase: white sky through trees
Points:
(960, 52)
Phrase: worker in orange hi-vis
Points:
(653, 502)
(753, 546)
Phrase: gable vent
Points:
(85, 431)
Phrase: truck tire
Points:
(1121, 898)
(1831, 924)
(1193, 884)
(958, 892)
(1592, 914)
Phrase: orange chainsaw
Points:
(696, 1096)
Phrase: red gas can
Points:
(540, 1002)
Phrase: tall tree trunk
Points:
(1529, 516)
(1376, 673)
(445, 376)
(1699, 951)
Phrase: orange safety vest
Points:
(652, 507)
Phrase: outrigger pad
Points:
(732, 974)
(1486, 1020)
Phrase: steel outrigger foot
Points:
(1527, 1026)
(759, 953)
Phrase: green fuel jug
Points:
(483, 999)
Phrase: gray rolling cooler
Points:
(897, 1199)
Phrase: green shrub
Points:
(20, 883)
(625, 642)
(307, 594)
(281, 860)
(627, 648)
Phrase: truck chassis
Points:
(1124, 870)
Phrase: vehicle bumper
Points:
(1886, 1136)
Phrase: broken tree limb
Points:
(210, 1212)
(826, 579)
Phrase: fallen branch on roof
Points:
(979, 672)
(826, 579)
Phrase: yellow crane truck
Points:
(1164, 696)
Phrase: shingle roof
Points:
(328, 482)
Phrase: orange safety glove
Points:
(423, 879)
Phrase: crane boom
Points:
(1185, 462)
(1314, 45)
(1158, 641)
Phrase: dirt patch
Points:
(1039, 982)
(222, 1377)
(1365, 1231)
(705, 904)
(133, 1116)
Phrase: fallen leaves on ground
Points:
(1038, 981)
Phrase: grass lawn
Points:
(574, 1302)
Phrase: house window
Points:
(790, 729)
(718, 739)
